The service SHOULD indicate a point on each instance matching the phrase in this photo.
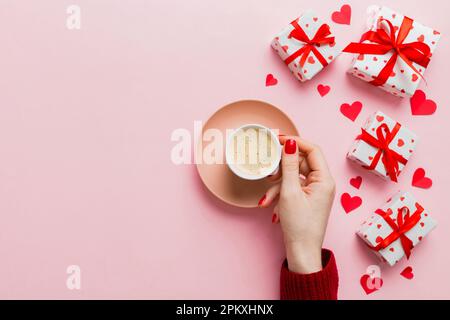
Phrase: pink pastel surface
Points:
(85, 172)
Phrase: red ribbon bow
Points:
(390, 158)
(404, 224)
(310, 44)
(384, 42)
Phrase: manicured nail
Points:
(274, 218)
(261, 201)
(290, 146)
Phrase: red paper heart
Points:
(351, 111)
(378, 239)
(315, 19)
(414, 77)
(369, 284)
(360, 57)
(420, 105)
(350, 203)
(271, 80)
(311, 60)
(400, 142)
(323, 89)
(380, 118)
(356, 182)
(419, 179)
(343, 16)
(421, 38)
(407, 273)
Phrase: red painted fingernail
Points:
(274, 218)
(290, 146)
(261, 201)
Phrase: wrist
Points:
(304, 259)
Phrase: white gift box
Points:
(286, 46)
(375, 229)
(403, 143)
(403, 81)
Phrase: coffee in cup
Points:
(253, 152)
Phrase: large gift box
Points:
(394, 53)
(306, 46)
(396, 228)
(384, 146)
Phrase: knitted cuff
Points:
(321, 285)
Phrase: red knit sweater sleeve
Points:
(321, 285)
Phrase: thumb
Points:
(290, 165)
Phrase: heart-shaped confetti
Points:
(356, 182)
(271, 80)
(351, 111)
(370, 284)
(323, 89)
(342, 16)
(350, 203)
(407, 273)
(420, 105)
(419, 179)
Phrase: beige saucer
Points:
(218, 178)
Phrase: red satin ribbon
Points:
(390, 158)
(404, 224)
(383, 42)
(321, 37)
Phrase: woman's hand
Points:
(304, 202)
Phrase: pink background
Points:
(85, 173)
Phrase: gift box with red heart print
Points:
(306, 46)
(383, 147)
(394, 53)
(396, 228)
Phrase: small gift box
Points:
(394, 53)
(396, 228)
(384, 146)
(306, 46)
